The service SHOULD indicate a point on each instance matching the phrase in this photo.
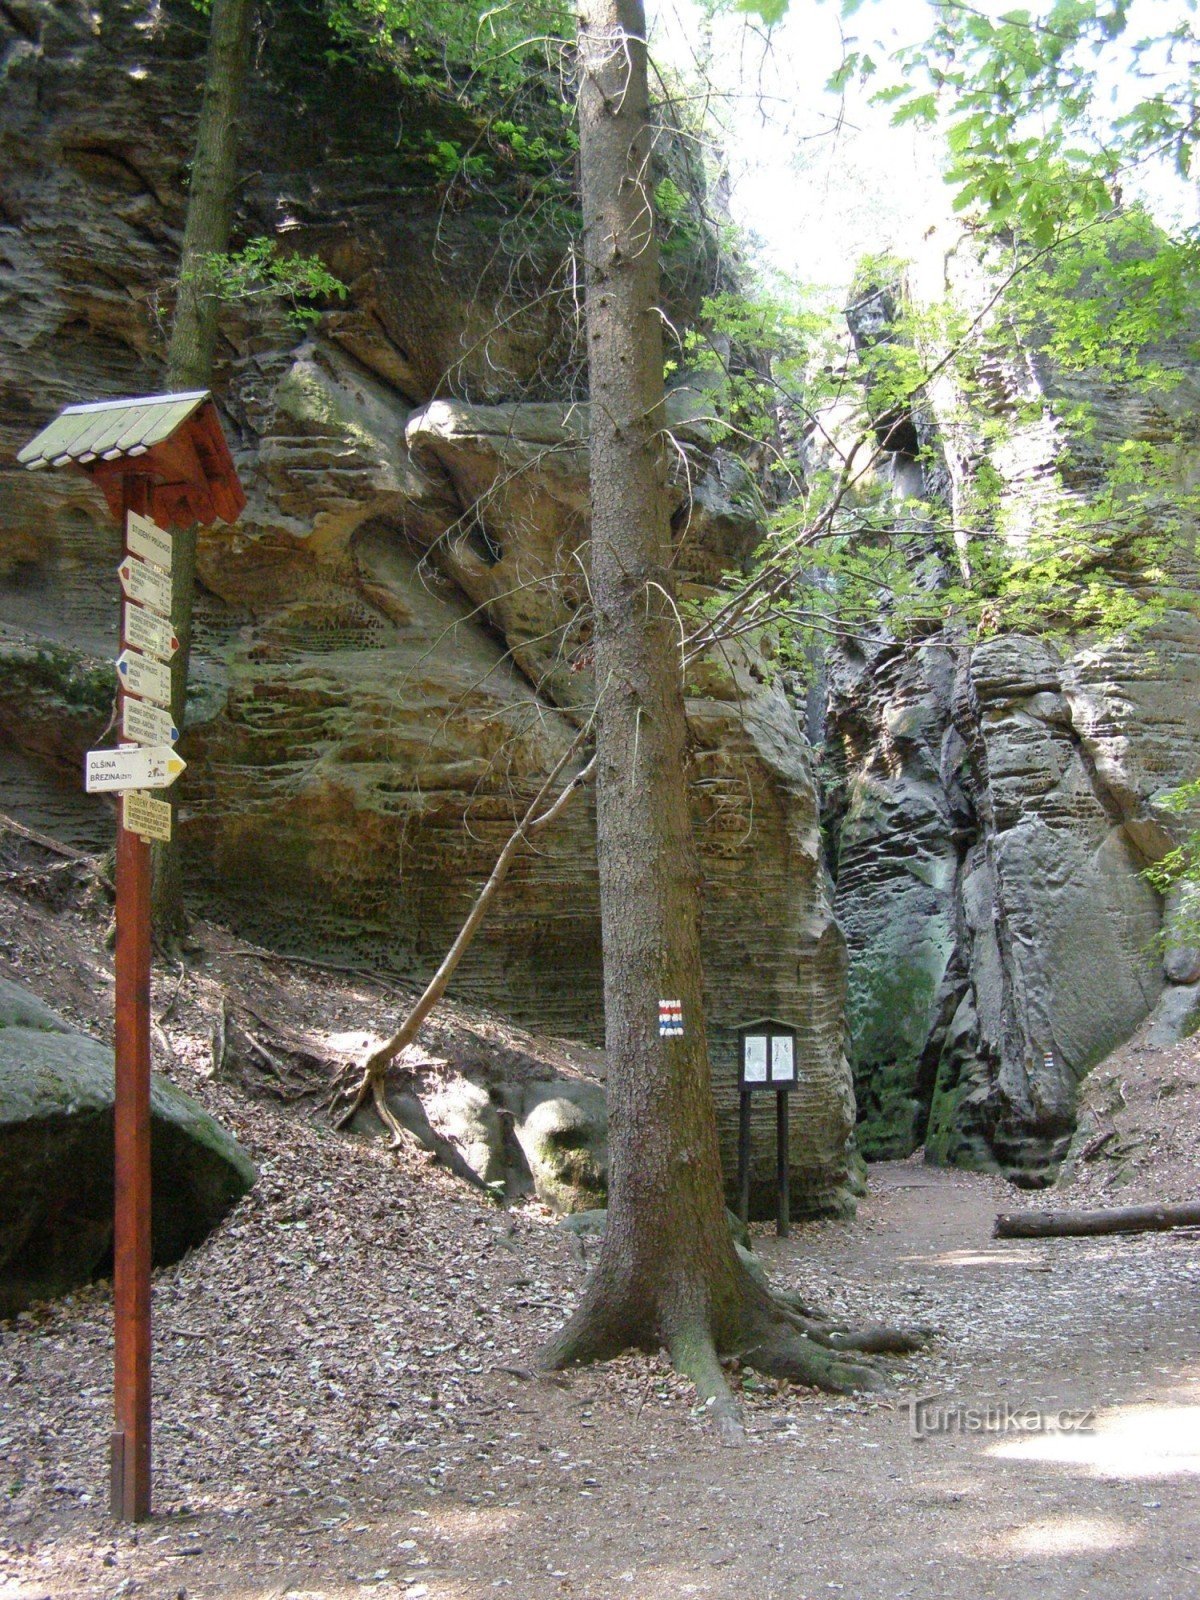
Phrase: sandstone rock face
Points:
(997, 803)
(56, 1158)
(1000, 808)
(392, 645)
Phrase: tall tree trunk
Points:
(667, 1274)
(193, 342)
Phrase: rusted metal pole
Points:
(783, 1170)
(744, 1155)
(130, 1462)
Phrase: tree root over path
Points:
(774, 1332)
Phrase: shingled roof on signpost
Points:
(176, 441)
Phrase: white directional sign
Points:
(132, 769)
(144, 676)
(146, 539)
(144, 815)
(146, 724)
(146, 585)
(145, 632)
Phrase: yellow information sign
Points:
(145, 815)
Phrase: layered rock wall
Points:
(392, 645)
(998, 800)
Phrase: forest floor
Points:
(343, 1405)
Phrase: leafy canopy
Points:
(1088, 293)
(1041, 106)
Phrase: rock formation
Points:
(998, 801)
(392, 646)
(56, 1158)
(393, 642)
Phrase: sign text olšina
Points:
(146, 759)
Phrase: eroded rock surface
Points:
(392, 646)
(1000, 809)
(998, 800)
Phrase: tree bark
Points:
(667, 1273)
(1120, 1219)
(192, 347)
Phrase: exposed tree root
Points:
(431, 1143)
(781, 1352)
(374, 1070)
(776, 1334)
(694, 1354)
(877, 1340)
(873, 1340)
(400, 1135)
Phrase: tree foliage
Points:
(493, 71)
(261, 270)
(1053, 110)
(1075, 292)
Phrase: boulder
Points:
(56, 1158)
(1175, 1017)
(563, 1132)
(464, 1113)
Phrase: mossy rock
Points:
(56, 1158)
(563, 1132)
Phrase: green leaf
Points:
(771, 11)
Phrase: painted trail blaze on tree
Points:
(668, 1274)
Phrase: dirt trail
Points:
(340, 1410)
(605, 1486)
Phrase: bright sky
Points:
(821, 183)
(818, 181)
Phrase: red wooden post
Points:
(130, 1474)
(165, 457)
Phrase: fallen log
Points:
(1119, 1219)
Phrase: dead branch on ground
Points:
(373, 1074)
(1119, 1219)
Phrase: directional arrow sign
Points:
(142, 814)
(146, 724)
(146, 539)
(146, 585)
(132, 769)
(145, 676)
(145, 632)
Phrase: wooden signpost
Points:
(766, 1061)
(161, 461)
